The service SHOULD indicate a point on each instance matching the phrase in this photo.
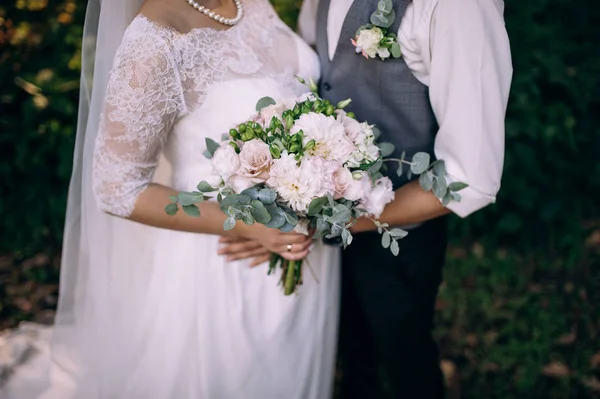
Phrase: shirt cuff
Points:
(471, 201)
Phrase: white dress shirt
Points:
(460, 50)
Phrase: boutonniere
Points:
(373, 39)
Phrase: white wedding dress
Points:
(178, 321)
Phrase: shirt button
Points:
(326, 86)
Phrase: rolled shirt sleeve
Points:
(469, 80)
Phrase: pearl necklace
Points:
(219, 18)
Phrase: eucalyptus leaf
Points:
(286, 228)
(447, 198)
(264, 102)
(376, 132)
(207, 154)
(382, 20)
(205, 187)
(386, 238)
(457, 186)
(211, 146)
(439, 168)
(439, 189)
(336, 230)
(385, 6)
(400, 169)
(420, 163)
(455, 197)
(260, 213)
(396, 50)
(375, 167)
(185, 198)
(316, 206)
(395, 248)
(426, 181)
(386, 149)
(235, 199)
(290, 219)
(229, 224)
(267, 196)
(398, 233)
(171, 209)
(346, 237)
(247, 217)
(323, 228)
(191, 210)
(276, 222)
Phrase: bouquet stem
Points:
(291, 273)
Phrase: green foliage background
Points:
(516, 315)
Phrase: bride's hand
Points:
(291, 246)
(242, 248)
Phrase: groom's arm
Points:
(469, 80)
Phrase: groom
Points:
(447, 96)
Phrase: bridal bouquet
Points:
(305, 164)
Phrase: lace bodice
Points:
(161, 76)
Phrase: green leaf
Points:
(290, 219)
(398, 233)
(395, 248)
(439, 168)
(251, 192)
(341, 214)
(376, 132)
(267, 196)
(205, 187)
(447, 198)
(316, 206)
(426, 181)
(346, 237)
(191, 210)
(457, 186)
(455, 197)
(375, 167)
(396, 50)
(439, 187)
(386, 238)
(264, 102)
(385, 6)
(185, 198)
(229, 224)
(247, 217)
(171, 209)
(211, 146)
(386, 149)
(400, 169)
(323, 228)
(420, 163)
(235, 199)
(286, 228)
(260, 213)
(383, 20)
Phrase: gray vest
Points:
(384, 93)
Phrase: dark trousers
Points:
(387, 316)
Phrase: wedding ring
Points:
(289, 247)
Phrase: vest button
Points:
(326, 86)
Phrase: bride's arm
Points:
(143, 100)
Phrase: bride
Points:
(148, 309)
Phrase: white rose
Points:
(329, 134)
(352, 126)
(255, 161)
(368, 41)
(239, 183)
(225, 161)
(381, 195)
(359, 187)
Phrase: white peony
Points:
(381, 195)
(225, 161)
(255, 161)
(351, 125)
(297, 185)
(359, 187)
(329, 134)
(368, 41)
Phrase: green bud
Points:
(256, 126)
(344, 104)
(330, 110)
(250, 134)
(235, 146)
(234, 133)
(310, 145)
(351, 115)
(294, 148)
(302, 81)
(242, 128)
(313, 86)
(357, 175)
(289, 121)
(275, 152)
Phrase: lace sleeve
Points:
(142, 102)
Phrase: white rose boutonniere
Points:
(373, 40)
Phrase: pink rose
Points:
(342, 180)
(255, 161)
